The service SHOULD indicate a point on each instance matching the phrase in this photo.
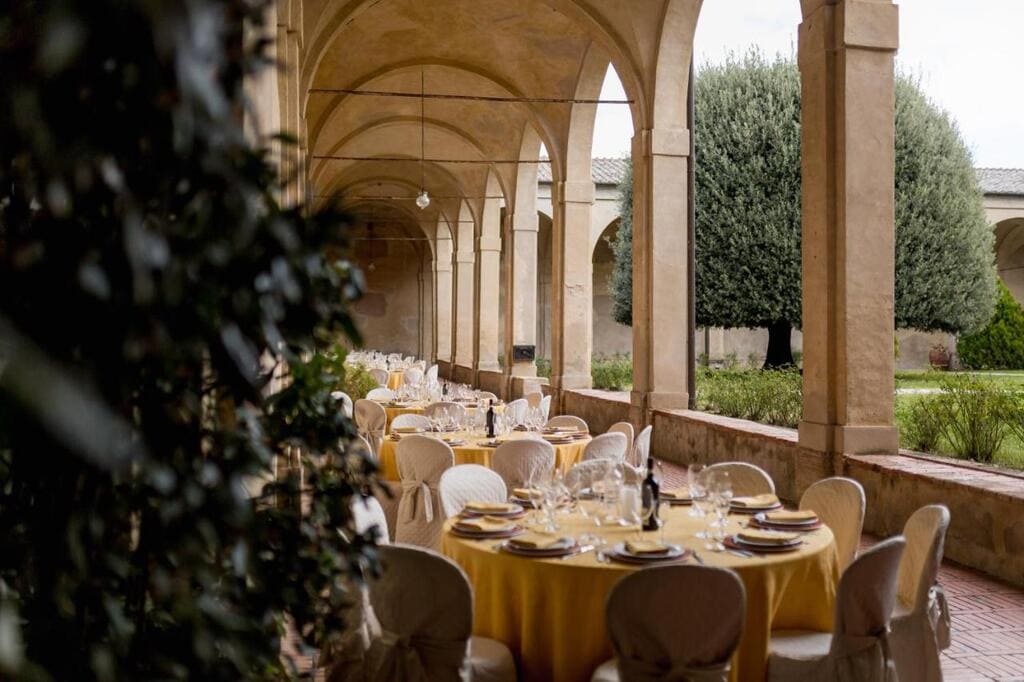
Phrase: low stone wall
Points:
(463, 375)
(600, 409)
(491, 381)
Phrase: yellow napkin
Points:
(771, 537)
(487, 524)
(526, 493)
(676, 494)
(490, 507)
(788, 516)
(756, 501)
(645, 547)
(536, 541)
(408, 429)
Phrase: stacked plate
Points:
(484, 527)
(677, 496)
(558, 438)
(489, 443)
(541, 546)
(493, 509)
(646, 552)
(795, 521)
(453, 442)
(755, 503)
(766, 541)
(407, 430)
(525, 497)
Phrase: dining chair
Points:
(545, 406)
(858, 648)
(421, 462)
(517, 410)
(534, 399)
(371, 420)
(674, 622)
(403, 421)
(381, 393)
(920, 624)
(610, 445)
(437, 409)
(568, 420)
(746, 479)
(531, 386)
(486, 395)
(432, 373)
(585, 473)
(839, 503)
(380, 376)
(642, 446)
(368, 515)
(412, 376)
(626, 429)
(469, 483)
(345, 400)
(426, 634)
(518, 461)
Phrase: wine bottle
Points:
(650, 494)
(490, 419)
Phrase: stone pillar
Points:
(660, 272)
(443, 301)
(571, 285)
(488, 286)
(520, 295)
(846, 66)
(465, 324)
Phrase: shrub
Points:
(543, 367)
(613, 373)
(1000, 344)
(1015, 416)
(766, 396)
(921, 424)
(975, 415)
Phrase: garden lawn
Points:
(929, 379)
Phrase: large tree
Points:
(748, 274)
(150, 281)
(621, 281)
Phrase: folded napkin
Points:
(490, 507)
(645, 547)
(791, 516)
(526, 493)
(408, 429)
(766, 537)
(676, 494)
(561, 429)
(487, 524)
(756, 501)
(536, 541)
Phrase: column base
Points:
(643, 403)
(849, 440)
(570, 381)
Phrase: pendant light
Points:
(423, 199)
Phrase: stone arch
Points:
(610, 337)
(1010, 254)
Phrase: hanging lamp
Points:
(423, 199)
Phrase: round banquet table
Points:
(551, 612)
(392, 410)
(473, 453)
(395, 379)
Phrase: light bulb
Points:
(423, 200)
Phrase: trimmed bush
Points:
(974, 413)
(1000, 344)
(766, 396)
(543, 367)
(614, 373)
(921, 425)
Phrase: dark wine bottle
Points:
(490, 419)
(650, 496)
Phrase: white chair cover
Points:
(368, 514)
(545, 406)
(371, 420)
(412, 376)
(380, 394)
(568, 420)
(642, 446)
(436, 409)
(534, 399)
(469, 482)
(746, 479)
(531, 386)
(346, 402)
(839, 503)
(518, 461)
(858, 650)
(486, 395)
(920, 626)
(517, 410)
(599, 467)
(432, 373)
(421, 461)
(678, 623)
(410, 420)
(626, 429)
(610, 445)
(379, 375)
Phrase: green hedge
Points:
(612, 373)
(1000, 344)
(766, 396)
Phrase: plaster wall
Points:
(388, 315)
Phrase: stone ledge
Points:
(941, 473)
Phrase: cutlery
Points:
(696, 557)
(582, 550)
(742, 553)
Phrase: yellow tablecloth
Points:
(551, 612)
(395, 379)
(418, 407)
(473, 453)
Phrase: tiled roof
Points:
(604, 171)
(1001, 180)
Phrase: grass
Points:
(932, 379)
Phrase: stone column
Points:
(660, 272)
(443, 301)
(846, 66)
(465, 324)
(488, 287)
(520, 294)
(571, 285)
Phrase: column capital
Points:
(464, 257)
(442, 266)
(663, 142)
(488, 244)
(573, 193)
(850, 24)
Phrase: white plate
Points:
(763, 518)
(750, 543)
(674, 552)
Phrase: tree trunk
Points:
(780, 350)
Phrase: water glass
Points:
(695, 482)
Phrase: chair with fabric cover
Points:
(920, 624)
(839, 503)
(437, 409)
(469, 483)
(382, 394)
(746, 479)
(531, 386)
(422, 635)
(432, 373)
(368, 513)
(486, 395)
(412, 376)
(626, 429)
(403, 421)
(534, 399)
(610, 445)
(568, 420)
(421, 462)
(380, 376)
(642, 446)
(371, 420)
(545, 406)
(597, 468)
(346, 402)
(674, 623)
(858, 649)
(517, 410)
(518, 461)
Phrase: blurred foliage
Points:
(151, 284)
(543, 367)
(1000, 344)
(766, 396)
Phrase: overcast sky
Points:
(969, 54)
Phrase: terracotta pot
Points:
(939, 358)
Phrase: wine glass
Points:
(630, 507)
(695, 485)
(720, 495)
(663, 509)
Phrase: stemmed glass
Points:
(697, 490)
(720, 495)
(631, 507)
